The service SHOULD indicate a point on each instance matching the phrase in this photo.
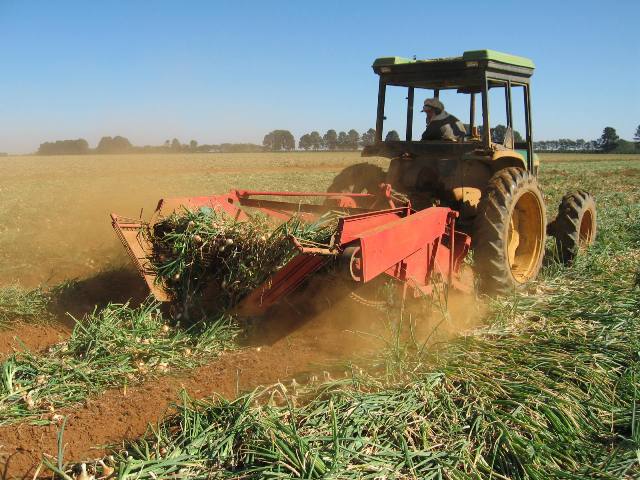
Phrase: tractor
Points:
(491, 183)
(416, 222)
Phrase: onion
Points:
(107, 471)
(31, 404)
(83, 473)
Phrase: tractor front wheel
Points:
(509, 231)
(575, 226)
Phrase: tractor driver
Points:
(440, 124)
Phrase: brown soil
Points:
(25, 336)
(79, 298)
(116, 285)
(119, 415)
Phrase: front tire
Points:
(509, 232)
(575, 226)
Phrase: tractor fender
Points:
(507, 158)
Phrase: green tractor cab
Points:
(473, 74)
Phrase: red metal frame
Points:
(409, 246)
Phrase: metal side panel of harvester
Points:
(415, 248)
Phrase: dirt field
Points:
(54, 226)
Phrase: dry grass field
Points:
(546, 387)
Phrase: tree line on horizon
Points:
(331, 140)
(122, 145)
(277, 140)
(608, 142)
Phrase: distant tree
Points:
(288, 140)
(116, 144)
(238, 148)
(353, 139)
(330, 139)
(204, 148)
(305, 142)
(368, 137)
(498, 133)
(167, 143)
(636, 137)
(193, 145)
(176, 145)
(564, 144)
(608, 140)
(268, 141)
(343, 141)
(316, 140)
(64, 147)
(392, 136)
(517, 137)
(279, 140)
(104, 145)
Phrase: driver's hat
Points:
(433, 103)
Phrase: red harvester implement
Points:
(417, 248)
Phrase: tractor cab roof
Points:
(466, 73)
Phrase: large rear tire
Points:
(359, 178)
(509, 232)
(575, 226)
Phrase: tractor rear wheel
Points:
(509, 231)
(575, 226)
(359, 178)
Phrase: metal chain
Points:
(377, 304)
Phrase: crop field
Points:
(95, 377)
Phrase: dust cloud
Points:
(344, 328)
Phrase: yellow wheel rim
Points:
(525, 237)
(586, 230)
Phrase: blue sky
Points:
(232, 71)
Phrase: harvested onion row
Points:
(115, 346)
(198, 249)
